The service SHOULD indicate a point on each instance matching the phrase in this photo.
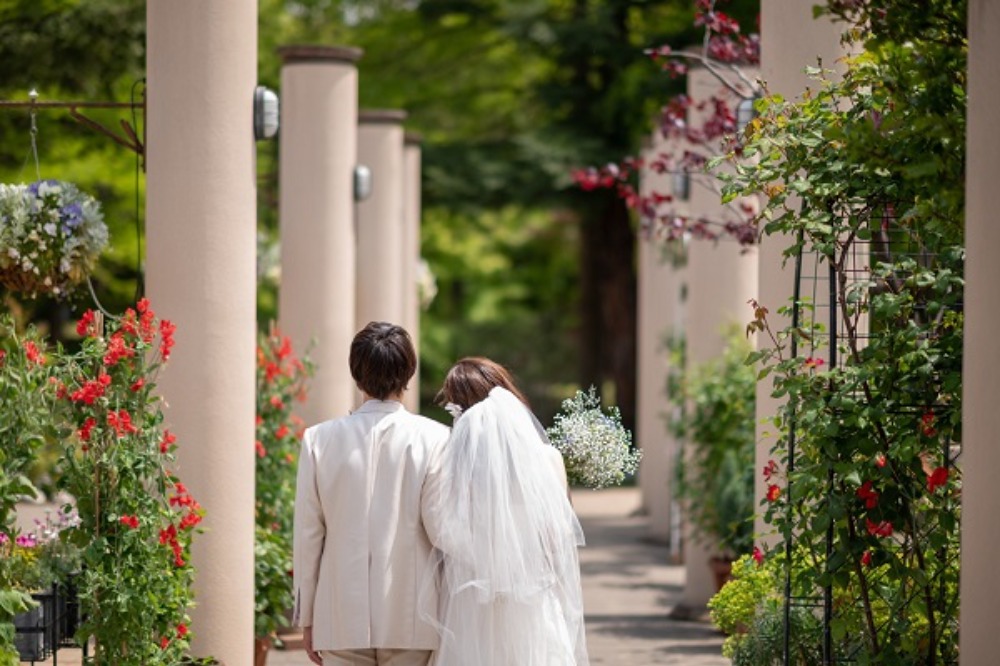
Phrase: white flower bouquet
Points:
(595, 445)
(51, 235)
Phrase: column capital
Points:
(381, 116)
(312, 53)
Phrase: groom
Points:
(361, 551)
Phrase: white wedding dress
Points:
(496, 508)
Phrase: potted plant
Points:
(715, 418)
(51, 234)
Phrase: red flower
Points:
(289, 458)
(282, 431)
(814, 363)
(882, 528)
(117, 349)
(130, 521)
(164, 642)
(868, 494)
(167, 329)
(937, 478)
(3, 355)
(866, 558)
(927, 423)
(121, 422)
(142, 306)
(773, 492)
(277, 402)
(168, 439)
(770, 469)
(758, 555)
(138, 384)
(258, 419)
(86, 324)
(33, 354)
(286, 348)
(182, 630)
(190, 519)
(261, 451)
(880, 460)
(129, 324)
(91, 390)
(271, 370)
(84, 432)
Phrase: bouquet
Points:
(595, 445)
(51, 234)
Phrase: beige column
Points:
(980, 586)
(721, 278)
(319, 146)
(411, 256)
(200, 269)
(381, 236)
(659, 311)
(791, 40)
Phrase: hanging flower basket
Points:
(51, 235)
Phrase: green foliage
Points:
(281, 381)
(26, 413)
(750, 610)
(716, 403)
(871, 166)
(136, 518)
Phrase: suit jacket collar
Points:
(381, 406)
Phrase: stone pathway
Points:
(628, 592)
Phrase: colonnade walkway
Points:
(629, 590)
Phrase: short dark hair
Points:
(382, 359)
(471, 379)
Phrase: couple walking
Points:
(416, 544)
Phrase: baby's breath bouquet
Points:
(596, 447)
(51, 234)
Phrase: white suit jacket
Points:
(361, 552)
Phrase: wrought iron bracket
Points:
(129, 139)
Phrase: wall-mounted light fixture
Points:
(362, 182)
(745, 112)
(266, 113)
(681, 185)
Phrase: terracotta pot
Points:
(722, 568)
(261, 646)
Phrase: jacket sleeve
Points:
(432, 496)
(309, 535)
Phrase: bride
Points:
(496, 507)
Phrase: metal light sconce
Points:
(266, 113)
(681, 185)
(362, 182)
(745, 112)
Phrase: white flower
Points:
(13, 253)
(453, 409)
(50, 228)
(596, 447)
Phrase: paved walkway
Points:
(628, 592)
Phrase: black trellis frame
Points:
(823, 603)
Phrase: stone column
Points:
(721, 278)
(381, 236)
(319, 146)
(791, 40)
(980, 462)
(200, 270)
(411, 258)
(659, 310)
